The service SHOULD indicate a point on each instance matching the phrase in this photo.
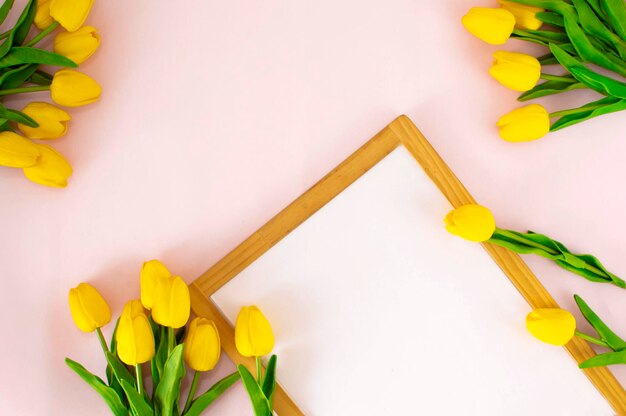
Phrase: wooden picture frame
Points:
(400, 132)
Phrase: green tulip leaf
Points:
(588, 52)
(269, 381)
(583, 265)
(111, 379)
(558, 6)
(24, 55)
(550, 18)
(41, 78)
(615, 342)
(597, 108)
(24, 22)
(602, 360)
(167, 392)
(4, 125)
(136, 401)
(107, 393)
(615, 13)
(5, 9)
(15, 77)
(595, 81)
(550, 88)
(260, 404)
(17, 116)
(592, 24)
(119, 369)
(205, 399)
(160, 356)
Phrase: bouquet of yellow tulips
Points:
(476, 223)
(21, 72)
(576, 33)
(154, 330)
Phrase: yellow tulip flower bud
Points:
(524, 124)
(72, 88)
(253, 333)
(134, 337)
(525, 16)
(493, 26)
(151, 272)
(71, 14)
(472, 222)
(17, 152)
(171, 303)
(52, 121)
(89, 309)
(42, 15)
(51, 170)
(202, 345)
(77, 46)
(551, 325)
(517, 71)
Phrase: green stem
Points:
(171, 338)
(12, 91)
(259, 369)
(103, 342)
(6, 34)
(574, 110)
(550, 77)
(192, 391)
(591, 339)
(43, 34)
(526, 241)
(139, 379)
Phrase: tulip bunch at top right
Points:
(576, 34)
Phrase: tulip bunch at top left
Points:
(22, 71)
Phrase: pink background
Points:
(215, 115)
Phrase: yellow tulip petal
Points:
(52, 121)
(253, 333)
(42, 15)
(72, 88)
(89, 309)
(77, 46)
(202, 345)
(472, 222)
(491, 25)
(134, 337)
(551, 325)
(171, 303)
(51, 169)
(524, 124)
(151, 272)
(525, 16)
(71, 14)
(17, 152)
(517, 71)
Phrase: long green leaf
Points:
(597, 108)
(205, 399)
(595, 81)
(137, 402)
(550, 18)
(167, 392)
(108, 394)
(158, 361)
(602, 360)
(24, 22)
(17, 116)
(260, 404)
(550, 88)
(15, 77)
(615, 342)
(5, 9)
(119, 370)
(593, 25)
(23, 55)
(269, 382)
(615, 11)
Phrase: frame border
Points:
(401, 131)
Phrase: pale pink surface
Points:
(215, 115)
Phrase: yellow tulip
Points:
(551, 325)
(490, 25)
(42, 15)
(525, 16)
(16, 151)
(202, 345)
(77, 46)
(52, 121)
(524, 124)
(517, 71)
(472, 222)
(151, 272)
(89, 309)
(135, 340)
(51, 169)
(72, 88)
(71, 14)
(253, 333)
(171, 303)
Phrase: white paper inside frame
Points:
(377, 310)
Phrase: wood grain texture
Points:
(400, 131)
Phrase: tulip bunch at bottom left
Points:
(152, 330)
